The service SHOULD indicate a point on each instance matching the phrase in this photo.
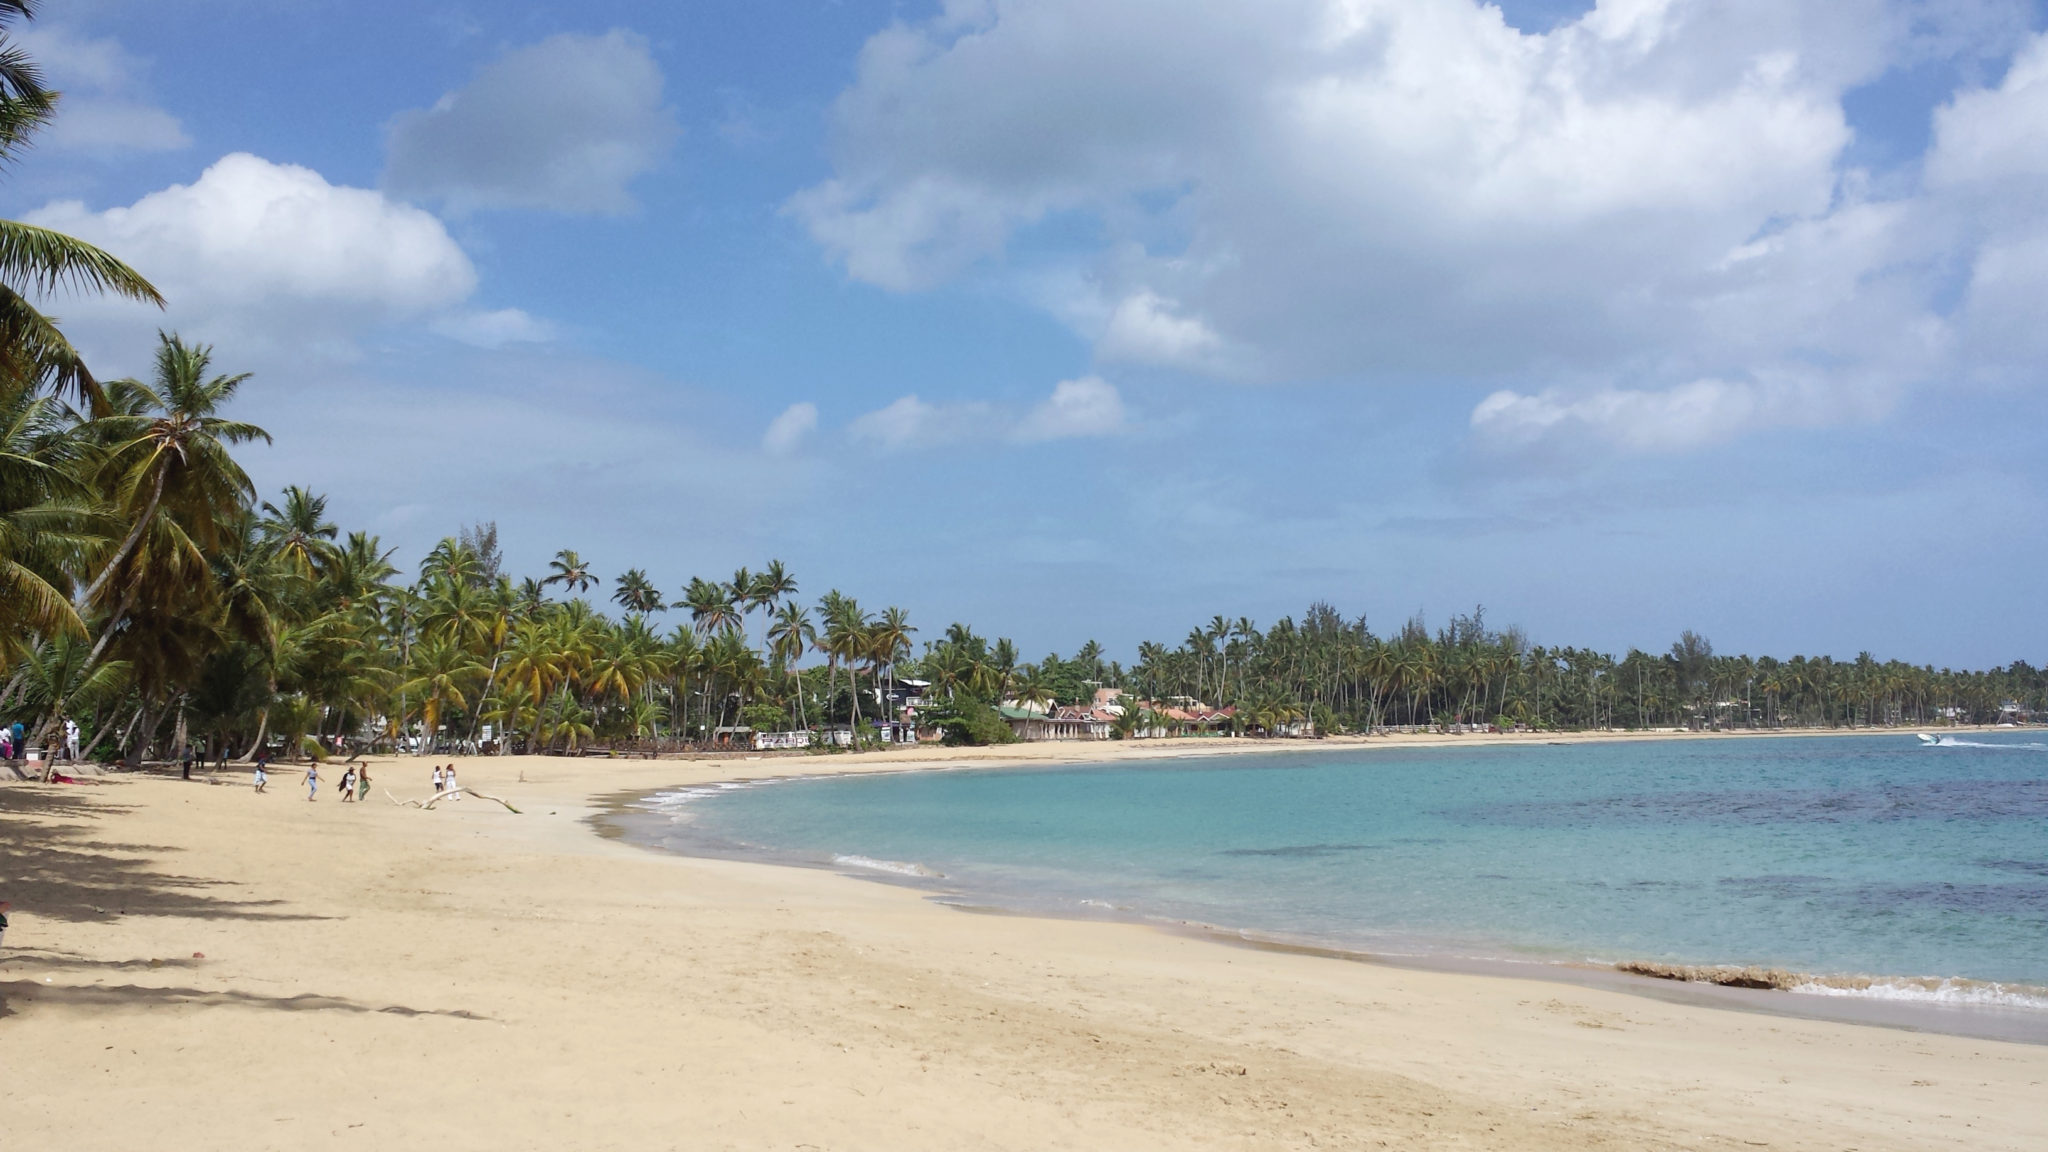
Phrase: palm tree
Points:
(775, 584)
(169, 472)
(790, 635)
(45, 520)
(442, 673)
(711, 606)
(1032, 690)
(299, 533)
(891, 641)
(635, 593)
(570, 571)
(34, 355)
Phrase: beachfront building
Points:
(1033, 724)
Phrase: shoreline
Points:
(476, 979)
(631, 818)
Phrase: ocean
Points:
(1873, 866)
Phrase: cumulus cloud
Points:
(564, 125)
(1086, 407)
(104, 110)
(788, 431)
(1416, 190)
(272, 254)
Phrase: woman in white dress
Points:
(448, 779)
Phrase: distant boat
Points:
(1926, 739)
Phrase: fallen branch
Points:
(473, 792)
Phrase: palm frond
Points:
(46, 260)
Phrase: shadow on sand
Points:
(51, 862)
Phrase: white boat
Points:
(1929, 740)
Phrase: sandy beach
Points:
(194, 966)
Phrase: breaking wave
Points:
(893, 867)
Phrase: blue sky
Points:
(1084, 320)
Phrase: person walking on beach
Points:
(262, 777)
(312, 779)
(347, 787)
(437, 780)
(454, 789)
(5, 908)
(363, 782)
(71, 740)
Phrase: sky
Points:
(1079, 319)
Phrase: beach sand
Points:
(194, 966)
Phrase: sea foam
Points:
(893, 867)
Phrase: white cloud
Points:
(1090, 406)
(268, 254)
(494, 329)
(564, 125)
(1085, 407)
(1677, 419)
(788, 431)
(1998, 133)
(1146, 329)
(103, 110)
(912, 422)
(1413, 190)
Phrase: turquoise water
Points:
(1869, 855)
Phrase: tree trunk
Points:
(128, 545)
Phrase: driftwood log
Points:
(428, 805)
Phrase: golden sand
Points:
(192, 966)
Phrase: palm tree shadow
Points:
(55, 867)
(102, 996)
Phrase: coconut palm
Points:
(170, 476)
(443, 674)
(299, 533)
(790, 635)
(570, 571)
(711, 606)
(37, 262)
(635, 593)
(45, 520)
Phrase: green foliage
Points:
(966, 720)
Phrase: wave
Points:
(680, 797)
(1952, 742)
(893, 867)
(1915, 989)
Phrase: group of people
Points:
(355, 780)
(14, 741)
(444, 781)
